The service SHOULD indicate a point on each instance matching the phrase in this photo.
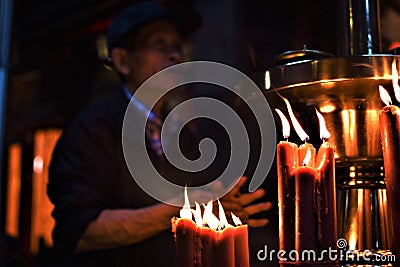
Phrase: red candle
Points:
(185, 237)
(389, 121)
(310, 184)
(325, 163)
(326, 185)
(287, 162)
(305, 211)
(225, 251)
(207, 239)
(184, 230)
(198, 245)
(241, 243)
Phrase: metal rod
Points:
(359, 28)
(6, 10)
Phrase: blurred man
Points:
(103, 218)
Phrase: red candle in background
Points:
(306, 220)
(287, 162)
(326, 184)
(241, 243)
(314, 197)
(389, 121)
(325, 163)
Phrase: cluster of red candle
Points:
(306, 190)
(208, 240)
(389, 121)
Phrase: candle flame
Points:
(297, 127)
(395, 80)
(285, 124)
(236, 219)
(385, 96)
(186, 211)
(223, 222)
(197, 215)
(209, 218)
(307, 158)
(323, 131)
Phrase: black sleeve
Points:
(79, 181)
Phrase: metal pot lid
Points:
(339, 79)
(300, 55)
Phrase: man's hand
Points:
(241, 204)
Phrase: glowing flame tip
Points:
(186, 211)
(285, 124)
(385, 96)
(236, 219)
(323, 131)
(395, 80)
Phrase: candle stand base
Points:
(363, 220)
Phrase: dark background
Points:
(55, 70)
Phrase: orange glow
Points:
(236, 219)
(374, 138)
(323, 131)
(297, 127)
(285, 124)
(42, 221)
(13, 190)
(307, 158)
(350, 131)
(186, 211)
(385, 96)
(38, 164)
(395, 80)
(327, 108)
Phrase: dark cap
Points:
(136, 16)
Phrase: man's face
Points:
(158, 46)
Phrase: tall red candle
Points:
(305, 211)
(389, 121)
(325, 163)
(287, 162)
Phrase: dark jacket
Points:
(88, 174)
